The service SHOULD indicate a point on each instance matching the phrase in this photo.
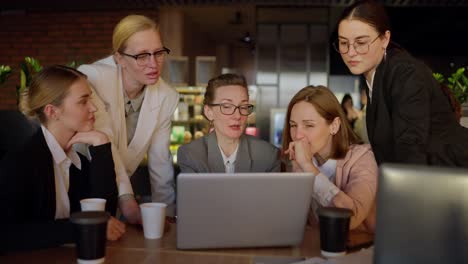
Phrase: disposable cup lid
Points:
(334, 212)
(89, 217)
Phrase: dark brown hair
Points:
(49, 86)
(370, 12)
(329, 108)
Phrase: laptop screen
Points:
(422, 215)
(220, 210)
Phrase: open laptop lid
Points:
(422, 215)
(219, 210)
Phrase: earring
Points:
(385, 54)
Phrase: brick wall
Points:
(55, 37)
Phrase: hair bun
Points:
(24, 106)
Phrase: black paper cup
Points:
(90, 230)
(334, 229)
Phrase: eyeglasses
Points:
(361, 47)
(143, 59)
(229, 109)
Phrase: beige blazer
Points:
(152, 134)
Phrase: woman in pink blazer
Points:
(318, 139)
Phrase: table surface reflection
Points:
(134, 248)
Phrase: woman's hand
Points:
(130, 210)
(301, 156)
(115, 229)
(93, 137)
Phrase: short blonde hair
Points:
(128, 26)
(49, 86)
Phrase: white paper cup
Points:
(153, 216)
(93, 204)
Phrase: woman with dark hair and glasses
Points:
(227, 148)
(138, 108)
(409, 119)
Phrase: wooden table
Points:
(133, 248)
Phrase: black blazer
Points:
(27, 194)
(409, 119)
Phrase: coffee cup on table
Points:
(153, 217)
(93, 204)
(334, 230)
(90, 229)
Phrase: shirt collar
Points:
(58, 154)
(232, 158)
(328, 168)
(371, 84)
(135, 102)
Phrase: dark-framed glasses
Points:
(229, 109)
(143, 59)
(360, 46)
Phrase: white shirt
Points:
(324, 188)
(328, 168)
(229, 162)
(370, 85)
(62, 163)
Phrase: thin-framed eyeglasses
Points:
(230, 109)
(143, 59)
(361, 47)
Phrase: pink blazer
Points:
(356, 176)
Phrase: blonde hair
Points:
(128, 26)
(329, 108)
(49, 86)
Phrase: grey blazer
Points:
(253, 155)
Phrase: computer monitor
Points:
(224, 210)
(422, 215)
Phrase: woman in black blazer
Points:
(409, 119)
(43, 182)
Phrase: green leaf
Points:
(5, 72)
(457, 82)
(439, 77)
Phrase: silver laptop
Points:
(221, 210)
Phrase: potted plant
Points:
(28, 68)
(457, 84)
(5, 72)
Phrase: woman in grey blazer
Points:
(227, 148)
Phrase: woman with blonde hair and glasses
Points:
(43, 181)
(138, 108)
(409, 119)
(227, 148)
(317, 138)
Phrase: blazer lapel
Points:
(243, 159)
(116, 111)
(148, 118)
(44, 165)
(371, 111)
(215, 159)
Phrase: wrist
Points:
(126, 197)
(101, 139)
(310, 167)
